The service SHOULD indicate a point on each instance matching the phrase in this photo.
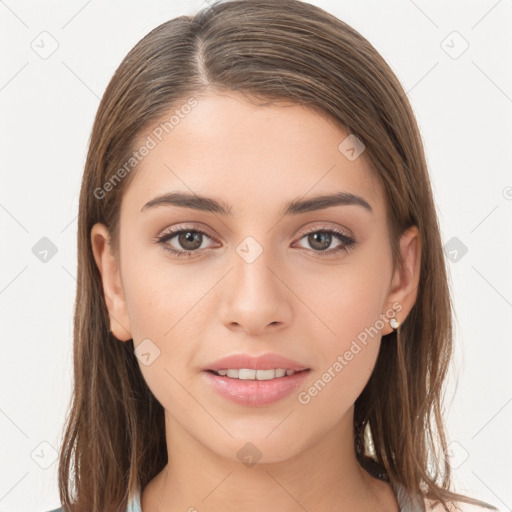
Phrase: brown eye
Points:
(321, 239)
(182, 241)
(187, 241)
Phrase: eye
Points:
(187, 238)
(321, 239)
(190, 241)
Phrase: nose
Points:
(255, 297)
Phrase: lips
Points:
(268, 361)
(255, 381)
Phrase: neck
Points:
(322, 476)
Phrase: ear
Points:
(404, 284)
(112, 284)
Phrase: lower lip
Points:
(254, 393)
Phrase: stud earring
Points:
(394, 323)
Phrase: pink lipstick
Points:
(255, 381)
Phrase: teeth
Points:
(248, 374)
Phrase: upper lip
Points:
(263, 362)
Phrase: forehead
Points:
(249, 156)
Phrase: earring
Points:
(394, 325)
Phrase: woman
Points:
(263, 319)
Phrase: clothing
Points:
(134, 504)
(406, 502)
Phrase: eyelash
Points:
(348, 242)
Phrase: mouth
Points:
(255, 381)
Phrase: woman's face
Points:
(260, 281)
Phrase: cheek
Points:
(348, 302)
(348, 350)
(164, 305)
(337, 385)
(162, 316)
(160, 294)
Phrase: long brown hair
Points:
(114, 439)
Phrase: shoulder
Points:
(456, 506)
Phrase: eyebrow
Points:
(295, 207)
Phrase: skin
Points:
(290, 300)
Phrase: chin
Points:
(261, 448)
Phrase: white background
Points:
(464, 109)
